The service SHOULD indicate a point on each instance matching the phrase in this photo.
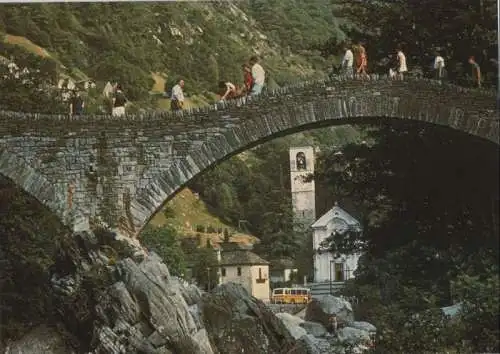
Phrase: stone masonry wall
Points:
(121, 170)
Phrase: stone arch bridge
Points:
(122, 170)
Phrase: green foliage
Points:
(479, 298)
(204, 267)
(458, 29)
(28, 87)
(166, 243)
(429, 196)
(199, 42)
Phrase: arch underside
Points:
(292, 117)
(30, 181)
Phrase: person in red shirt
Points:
(247, 79)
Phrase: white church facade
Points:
(329, 267)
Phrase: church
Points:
(328, 267)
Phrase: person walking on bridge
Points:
(119, 101)
(361, 61)
(258, 75)
(402, 68)
(177, 98)
(439, 66)
(476, 72)
(348, 62)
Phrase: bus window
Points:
(278, 291)
(287, 291)
(293, 292)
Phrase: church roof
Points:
(241, 257)
(335, 212)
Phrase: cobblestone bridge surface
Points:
(121, 170)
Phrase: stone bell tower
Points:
(303, 193)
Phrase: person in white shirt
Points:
(258, 75)
(401, 64)
(177, 98)
(348, 62)
(439, 66)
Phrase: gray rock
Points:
(319, 310)
(314, 328)
(292, 324)
(353, 336)
(365, 326)
(239, 323)
(42, 339)
(145, 311)
(309, 344)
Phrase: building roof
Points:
(283, 263)
(336, 212)
(241, 257)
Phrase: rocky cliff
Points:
(133, 305)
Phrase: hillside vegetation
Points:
(202, 42)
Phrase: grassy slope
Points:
(188, 212)
(27, 44)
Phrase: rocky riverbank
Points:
(114, 297)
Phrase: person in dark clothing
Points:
(119, 101)
(76, 104)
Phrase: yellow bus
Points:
(291, 296)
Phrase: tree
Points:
(205, 267)
(430, 199)
(458, 28)
(166, 243)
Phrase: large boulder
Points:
(365, 326)
(239, 323)
(292, 324)
(42, 339)
(320, 310)
(146, 311)
(314, 328)
(353, 336)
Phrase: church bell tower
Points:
(303, 193)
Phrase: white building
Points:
(328, 267)
(246, 268)
(303, 193)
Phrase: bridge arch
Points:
(28, 179)
(35, 184)
(319, 105)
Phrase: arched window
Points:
(301, 161)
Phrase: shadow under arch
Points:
(274, 124)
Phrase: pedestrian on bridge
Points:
(476, 72)
(119, 101)
(361, 61)
(177, 98)
(439, 66)
(258, 75)
(348, 62)
(402, 68)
